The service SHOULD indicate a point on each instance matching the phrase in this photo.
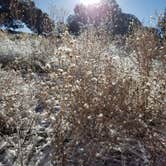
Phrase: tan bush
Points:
(100, 113)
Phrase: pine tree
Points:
(104, 13)
(162, 24)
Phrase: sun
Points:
(89, 2)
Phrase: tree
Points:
(107, 14)
(162, 24)
(93, 14)
(74, 24)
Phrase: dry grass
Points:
(109, 112)
(108, 115)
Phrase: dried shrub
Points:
(100, 104)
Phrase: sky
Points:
(142, 9)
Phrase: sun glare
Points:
(89, 2)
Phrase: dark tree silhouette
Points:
(162, 24)
(74, 24)
(13, 12)
(107, 13)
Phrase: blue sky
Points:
(143, 9)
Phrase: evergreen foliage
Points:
(162, 24)
(107, 14)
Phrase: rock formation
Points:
(26, 12)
